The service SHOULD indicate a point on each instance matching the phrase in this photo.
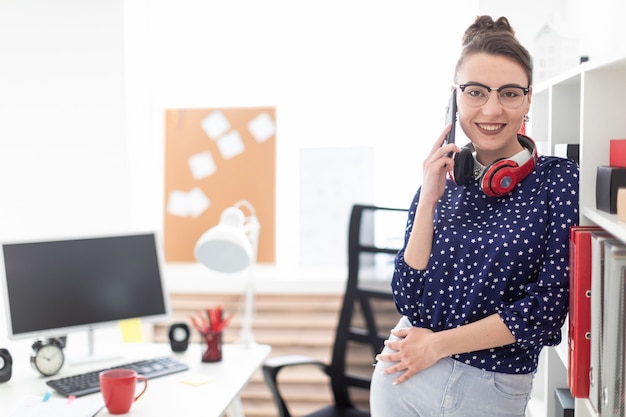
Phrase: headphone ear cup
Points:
(499, 178)
(463, 166)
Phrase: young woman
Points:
(482, 280)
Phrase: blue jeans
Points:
(449, 388)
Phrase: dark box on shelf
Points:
(617, 153)
(608, 180)
(568, 150)
(564, 403)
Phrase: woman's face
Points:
(491, 127)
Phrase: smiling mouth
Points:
(490, 127)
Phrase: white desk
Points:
(165, 396)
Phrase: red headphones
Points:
(501, 176)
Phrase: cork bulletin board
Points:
(214, 158)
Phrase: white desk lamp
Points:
(231, 247)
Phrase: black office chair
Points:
(367, 314)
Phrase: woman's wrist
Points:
(442, 345)
(425, 206)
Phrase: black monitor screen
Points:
(82, 283)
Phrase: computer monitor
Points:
(53, 287)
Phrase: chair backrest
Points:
(368, 312)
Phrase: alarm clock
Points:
(6, 363)
(47, 356)
(179, 337)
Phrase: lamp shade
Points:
(226, 247)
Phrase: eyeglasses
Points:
(510, 96)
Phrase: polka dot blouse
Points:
(507, 255)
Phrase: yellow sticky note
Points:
(131, 330)
(196, 379)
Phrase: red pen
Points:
(199, 323)
(212, 319)
(224, 323)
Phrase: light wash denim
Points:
(449, 388)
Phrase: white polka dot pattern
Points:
(506, 255)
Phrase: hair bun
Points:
(485, 24)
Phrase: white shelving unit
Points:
(587, 106)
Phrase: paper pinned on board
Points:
(262, 127)
(202, 165)
(187, 204)
(215, 125)
(230, 145)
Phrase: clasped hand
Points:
(413, 351)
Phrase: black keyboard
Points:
(88, 383)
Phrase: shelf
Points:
(611, 64)
(585, 105)
(583, 408)
(607, 221)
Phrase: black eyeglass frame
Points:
(462, 87)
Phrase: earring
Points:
(526, 118)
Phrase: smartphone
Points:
(451, 117)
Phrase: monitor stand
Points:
(91, 356)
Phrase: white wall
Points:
(63, 158)
(63, 146)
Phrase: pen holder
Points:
(211, 346)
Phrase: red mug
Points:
(118, 387)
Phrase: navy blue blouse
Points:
(506, 255)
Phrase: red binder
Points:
(579, 330)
